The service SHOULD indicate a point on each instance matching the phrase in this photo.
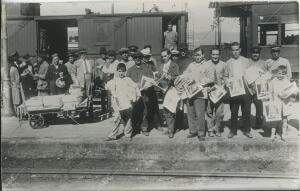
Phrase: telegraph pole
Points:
(6, 88)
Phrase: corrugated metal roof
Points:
(244, 2)
(69, 17)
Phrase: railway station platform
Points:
(65, 148)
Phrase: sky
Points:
(200, 16)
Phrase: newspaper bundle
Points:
(262, 89)
(236, 87)
(288, 91)
(272, 111)
(216, 93)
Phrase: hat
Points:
(174, 52)
(70, 54)
(60, 83)
(14, 54)
(275, 48)
(102, 50)
(133, 48)
(26, 56)
(54, 55)
(111, 53)
(137, 55)
(146, 52)
(82, 51)
(123, 50)
(256, 49)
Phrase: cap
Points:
(174, 52)
(82, 51)
(14, 54)
(137, 55)
(54, 55)
(103, 50)
(256, 49)
(133, 48)
(26, 56)
(275, 48)
(123, 50)
(111, 53)
(146, 52)
(60, 83)
(70, 54)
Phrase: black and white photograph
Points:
(236, 87)
(156, 95)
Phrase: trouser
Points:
(214, 115)
(245, 102)
(170, 119)
(152, 107)
(277, 125)
(139, 113)
(259, 110)
(125, 121)
(196, 115)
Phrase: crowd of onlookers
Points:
(135, 104)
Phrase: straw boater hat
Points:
(146, 52)
(60, 83)
(174, 52)
(123, 50)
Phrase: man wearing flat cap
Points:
(84, 72)
(57, 73)
(124, 53)
(71, 67)
(170, 38)
(143, 113)
(276, 60)
(110, 68)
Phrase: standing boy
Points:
(124, 94)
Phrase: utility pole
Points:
(143, 7)
(112, 8)
(6, 88)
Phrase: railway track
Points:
(150, 173)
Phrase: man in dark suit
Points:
(57, 77)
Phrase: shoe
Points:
(110, 139)
(218, 134)
(171, 135)
(249, 135)
(192, 135)
(210, 134)
(272, 134)
(282, 139)
(160, 129)
(230, 135)
(146, 133)
(201, 138)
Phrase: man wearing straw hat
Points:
(84, 72)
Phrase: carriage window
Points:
(267, 34)
(73, 38)
(290, 34)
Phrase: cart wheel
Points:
(36, 121)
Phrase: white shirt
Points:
(166, 66)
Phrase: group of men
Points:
(56, 77)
